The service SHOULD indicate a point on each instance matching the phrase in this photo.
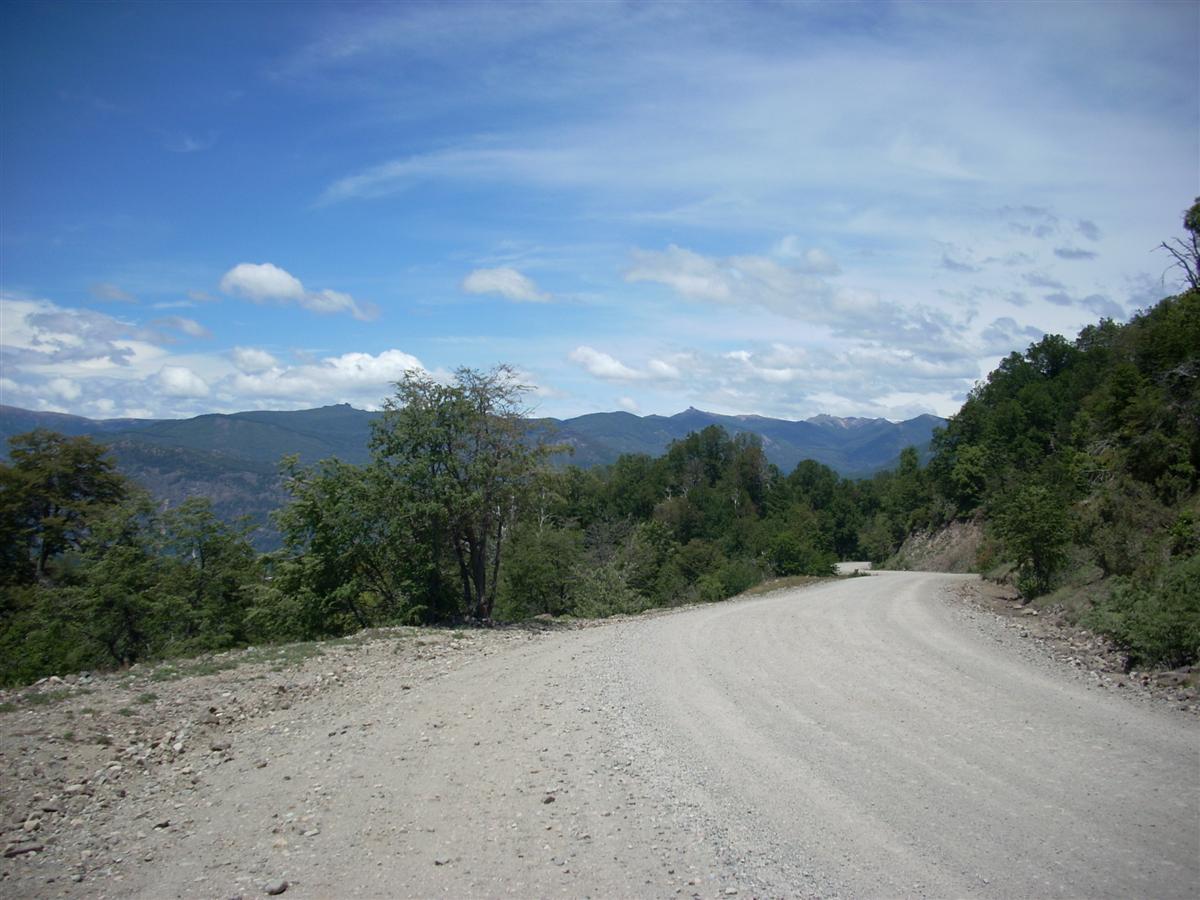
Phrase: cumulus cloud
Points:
(629, 405)
(39, 333)
(105, 290)
(261, 282)
(505, 282)
(65, 388)
(252, 359)
(359, 378)
(267, 283)
(602, 365)
(180, 381)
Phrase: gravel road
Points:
(867, 737)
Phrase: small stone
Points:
(729, 892)
(445, 861)
(549, 798)
(219, 746)
(275, 887)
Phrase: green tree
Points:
(360, 542)
(211, 567)
(1034, 528)
(461, 453)
(48, 496)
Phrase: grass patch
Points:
(125, 711)
(8, 706)
(147, 697)
(68, 736)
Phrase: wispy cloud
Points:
(188, 143)
(111, 293)
(1073, 253)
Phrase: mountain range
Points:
(233, 458)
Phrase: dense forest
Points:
(1082, 457)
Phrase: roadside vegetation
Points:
(1081, 457)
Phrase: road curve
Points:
(859, 738)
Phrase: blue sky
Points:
(771, 208)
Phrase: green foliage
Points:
(538, 571)
(48, 496)
(100, 578)
(1033, 526)
(458, 456)
(1157, 622)
(597, 591)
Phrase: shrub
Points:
(1156, 623)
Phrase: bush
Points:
(1158, 623)
(601, 590)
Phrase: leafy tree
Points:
(48, 495)
(1033, 526)
(364, 554)
(211, 567)
(461, 454)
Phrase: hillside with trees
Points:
(1081, 458)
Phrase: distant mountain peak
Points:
(841, 422)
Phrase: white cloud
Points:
(812, 260)
(65, 388)
(267, 283)
(688, 274)
(180, 381)
(262, 282)
(505, 281)
(629, 405)
(362, 379)
(252, 359)
(607, 367)
(602, 365)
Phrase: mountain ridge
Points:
(233, 458)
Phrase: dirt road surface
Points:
(867, 737)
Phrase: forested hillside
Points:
(1084, 456)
